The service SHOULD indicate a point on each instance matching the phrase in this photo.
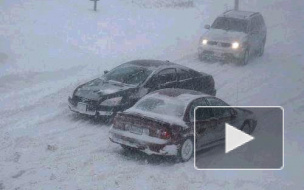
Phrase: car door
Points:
(166, 78)
(205, 123)
(185, 80)
(224, 115)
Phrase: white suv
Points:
(234, 35)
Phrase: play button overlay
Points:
(235, 138)
(238, 138)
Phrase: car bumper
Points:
(146, 144)
(220, 52)
(75, 107)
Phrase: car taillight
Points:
(164, 134)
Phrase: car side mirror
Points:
(105, 71)
(207, 26)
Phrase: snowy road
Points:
(49, 47)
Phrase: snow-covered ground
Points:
(49, 47)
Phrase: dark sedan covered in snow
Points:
(122, 87)
(162, 123)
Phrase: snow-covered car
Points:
(235, 35)
(122, 87)
(162, 123)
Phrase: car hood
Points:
(98, 88)
(224, 36)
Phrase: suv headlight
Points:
(111, 102)
(235, 45)
(204, 41)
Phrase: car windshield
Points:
(128, 74)
(231, 24)
(167, 107)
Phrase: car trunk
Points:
(138, 124)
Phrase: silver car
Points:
(235, 35)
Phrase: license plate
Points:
(82, 107)
(136, 130)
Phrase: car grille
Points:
(213, 43)
(221, 44)
(226, 44)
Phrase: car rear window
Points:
(161, 106)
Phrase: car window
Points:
(216, 102)
(254, 26)
(166, 75)
(261, 21)
(230, 24)
(257, 23)
(161, 106)
(128, 74)
(183, 74)
(201, 114)
(219, 112)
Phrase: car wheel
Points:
(186, 150)
(245, 59)
(261, 49)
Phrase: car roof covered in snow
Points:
(179, 97)
(177, 94)
(238, 14)
(154, 64)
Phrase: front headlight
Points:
(204, 42)
(111, 102)
(235, 45)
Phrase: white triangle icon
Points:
(235, 138)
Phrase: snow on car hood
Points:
(97, 88)
(224, 36)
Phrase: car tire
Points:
(261, 49)
(186, 150)
(245, 59)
